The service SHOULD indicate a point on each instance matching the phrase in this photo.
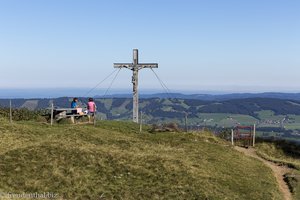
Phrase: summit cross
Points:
(135, 66)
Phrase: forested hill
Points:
(216, 97)
(114, 108)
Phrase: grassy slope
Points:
(80, 161)
(275, 153)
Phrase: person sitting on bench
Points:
(74, 105)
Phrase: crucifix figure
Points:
(135, 67)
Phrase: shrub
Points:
(22, 114)
(170, 127)
(225, 134)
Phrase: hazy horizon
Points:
(82, 92)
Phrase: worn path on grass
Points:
(278, 171)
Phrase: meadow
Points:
(114, 161)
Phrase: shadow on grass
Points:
(289, 148)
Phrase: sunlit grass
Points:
(284, 153)
(114, 160)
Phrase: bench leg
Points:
(73, 120)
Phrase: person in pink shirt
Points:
(91, 106)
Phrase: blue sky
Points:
(216, 45)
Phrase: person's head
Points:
(91, 99)
(75, 99)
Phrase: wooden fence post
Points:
(10, 112)
(232, 141)
(185, 122)
(254, 133)
(141, 122)
(52, 110)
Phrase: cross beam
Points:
(135, 66)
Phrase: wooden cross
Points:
(135, 66)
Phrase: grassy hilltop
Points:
(114, 161)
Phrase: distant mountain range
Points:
(206, 96)
(213, 97)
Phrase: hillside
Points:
(121, 107)
(277, 114)
(111, 160)
(248, 106)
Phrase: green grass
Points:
(226, 119)
(293, 181)
(281, 151)
(121, 109)
(113, 160)
(167, 102)
(230, 120)
(267, 114)
(293, 126)
(296, 117)
(167, 108)
(107, 102)
(183, 104)
(284, 154)
(270, 115)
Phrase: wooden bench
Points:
(63, 113)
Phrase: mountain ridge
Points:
(211, 97)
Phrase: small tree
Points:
(225, 134)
